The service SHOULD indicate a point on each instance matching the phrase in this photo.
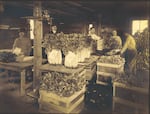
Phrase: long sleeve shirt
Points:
(129, 44)
(95, 37)
(24, 44)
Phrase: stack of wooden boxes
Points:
(90, 66)
(53, 103)
(107, 71)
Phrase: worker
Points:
(53, 29)
(93, 34)
(129, 50)
(95, 38)
(116, 39)
(22, 45)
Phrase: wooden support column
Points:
(85, 28)
(99, 25)
(38, 32)
(23, 82)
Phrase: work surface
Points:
(15, 65)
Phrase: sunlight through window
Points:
(139, 26)
(31, 29)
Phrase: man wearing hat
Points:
(22, 44)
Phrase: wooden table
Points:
(19, 67)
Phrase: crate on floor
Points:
(53, 103)
(121, 108)
(137, 98)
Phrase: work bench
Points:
(20, 67)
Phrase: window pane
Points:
(139, 25)
(32, 29)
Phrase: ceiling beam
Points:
(60, 12)
(22, 4)
(79, 5)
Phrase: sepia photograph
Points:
(74, 56)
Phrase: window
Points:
(31, 28)
(139, 26)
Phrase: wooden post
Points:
(23, 82)
(85, 29)
(38, 32)
(99, 25)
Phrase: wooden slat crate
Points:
(110, 68)
(136, 98)
(125, 107)
(104, 78)
(89, 72)
(49, 101)
(90, 66)
(44, 109)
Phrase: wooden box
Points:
(52, 103)
(131, 96)
(90, 71)
(104, 78)
(110, 68)
(90, 66)
(121, 108)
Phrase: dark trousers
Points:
(129, 56)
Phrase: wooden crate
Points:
(90, 71)
(110, 68)
(49, 101)
(122, 107)
(131, 96)
(104, 78)
(50, 110)
(90, 66)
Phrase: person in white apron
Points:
(95, 38)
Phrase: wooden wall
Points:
(8, 36)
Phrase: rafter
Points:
(60, 12)
(79, 5)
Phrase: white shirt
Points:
(95, 37)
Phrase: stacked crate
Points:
(51, 102)
(107, 71)
(90, 66)
(130, 99)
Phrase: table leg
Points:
(23, 82)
